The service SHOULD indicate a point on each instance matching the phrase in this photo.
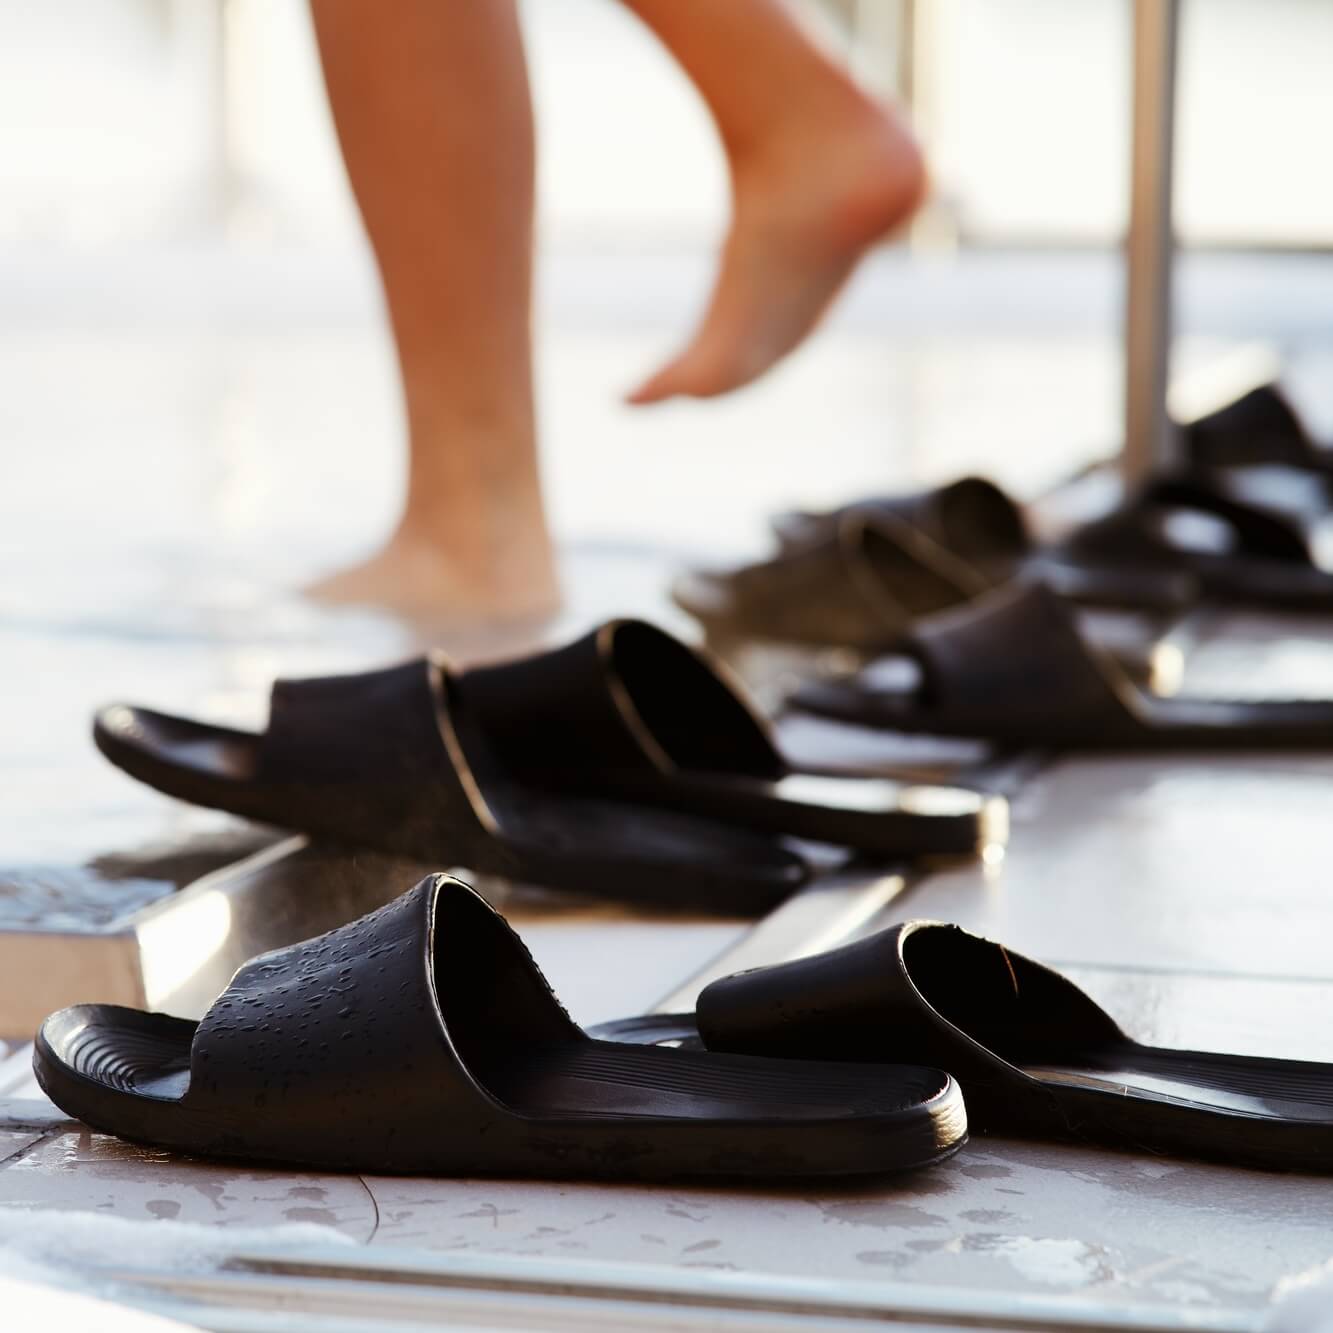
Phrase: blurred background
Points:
(191, 324)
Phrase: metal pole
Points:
(1149, 246)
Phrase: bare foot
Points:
(418, 576)
(805, 208)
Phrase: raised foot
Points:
(805, 209)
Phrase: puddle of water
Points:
(44, 897)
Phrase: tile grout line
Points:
(40, 1137)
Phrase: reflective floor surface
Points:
(164, 492)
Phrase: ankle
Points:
(889, 186)
(505, 564)
(476, 532)
(854, 173)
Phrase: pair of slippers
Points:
(624, 765)
(972, 629)
(1234, 522)
(859, 578)
(423, 1039)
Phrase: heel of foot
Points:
(886, 186)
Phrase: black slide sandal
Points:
(1212, 530)
(1013, 669)
(977, 521)
(1034, 1054)
(422, 1039)
(387, 759)
(971, 518)
(862, 583)
(630, 713)
(861, 589)
(1259, 429)
(973, 528)
(1036, 1057)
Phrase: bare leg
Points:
(435, 122)
(819, 172)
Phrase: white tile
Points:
(73, 1169)
(1197, 865)
(1284, 1019)
(1003, 1216)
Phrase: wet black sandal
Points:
(1036, 1057)
(629, 713)
(422, 1039)
(388, 759)
(1013, 669)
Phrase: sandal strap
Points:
(858, 586)
(1133, 532)
(343, 1027)
(828, 590)
(919, 992)
(345, 1034)
(628, 698)
(973, 519)
(1259, 427)
(379, 750)
(376, 724)
(1016, 652)
(993, 527)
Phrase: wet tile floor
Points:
(154, 514)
